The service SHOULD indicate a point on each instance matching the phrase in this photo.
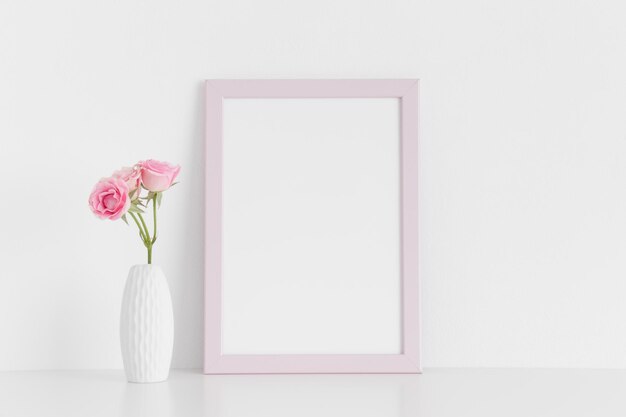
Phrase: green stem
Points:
(148, 241)
(145, 228)
(154, 216)
(143, 238)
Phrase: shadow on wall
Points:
(187, 294)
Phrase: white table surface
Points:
(437, 392)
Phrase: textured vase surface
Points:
(147, 325)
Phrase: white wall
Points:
(523, 204)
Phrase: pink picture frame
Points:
(409, 360)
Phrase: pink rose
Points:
(132, 177)
(109, 198)
(158, 176)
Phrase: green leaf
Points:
(134, 209)
(173, 184)
(158, 199)
(124, 218)
(132, 193)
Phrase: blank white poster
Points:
(311, 226)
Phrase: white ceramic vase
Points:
(147, 325)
